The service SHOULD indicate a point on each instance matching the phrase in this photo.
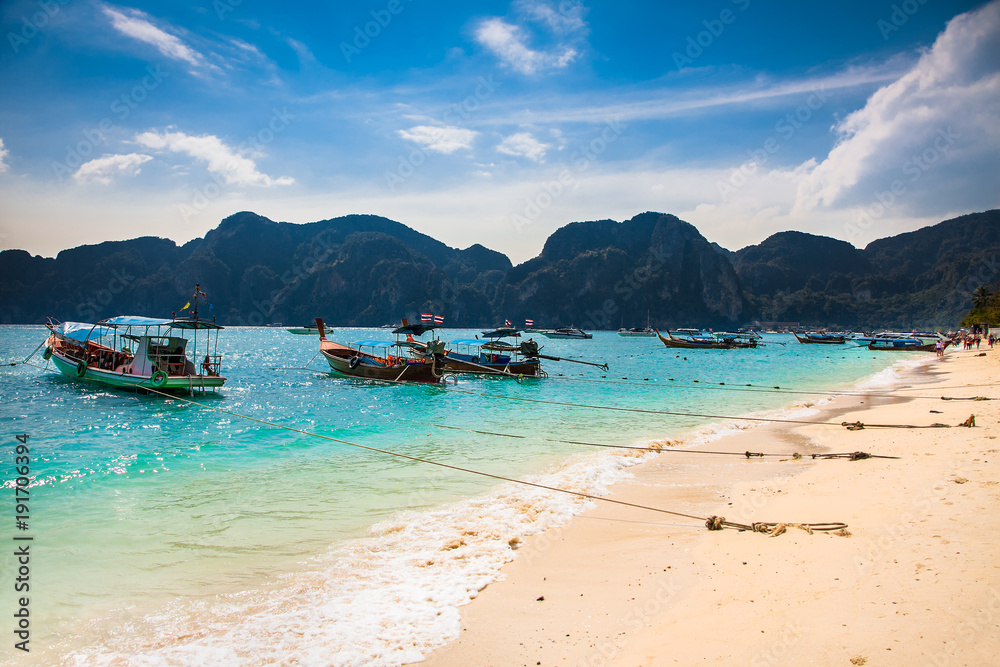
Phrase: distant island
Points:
(365, 270)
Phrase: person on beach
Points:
(939, 349)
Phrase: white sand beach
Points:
(916, 582)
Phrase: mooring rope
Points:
(709, 521)
(853, 456)
(751, 388)
(672, 413)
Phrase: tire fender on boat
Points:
(81, 368)
(47, 354)
(159, 379)
(475, 359)
(353, 363)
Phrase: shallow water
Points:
(167, 533)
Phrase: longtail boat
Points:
(694, 342)
(902, 345)
(819, 338)
(139, 353)
(386, 360)
(492, 356)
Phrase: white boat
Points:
(567, 332)
(647, 332)
(304, 331)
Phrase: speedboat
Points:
(567, 332)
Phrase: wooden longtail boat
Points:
(820, 338)
(902, 345)
(139, 353)
(492, 356)
(693, 342)
(385, 360)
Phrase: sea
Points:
(166, 532)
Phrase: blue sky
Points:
(495, 122)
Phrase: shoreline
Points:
(621, 586)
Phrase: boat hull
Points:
(680, 343)
(837, 340)
(927, 347)
(173, 383)
(526, 368)
(639, 334)
(366, 368)
(556, 334)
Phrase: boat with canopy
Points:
(385, 360)
(140, 353)
(818, 337)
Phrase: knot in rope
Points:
(715, 522)
(970, 422)
(855, 426)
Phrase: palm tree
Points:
(981, 298)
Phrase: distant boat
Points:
(820, 338)
(645, 331)
(311, 329)
(902, 345)
(689, 341)
(638, 331)
(925, 337)
(567, 332)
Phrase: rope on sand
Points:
(417, 459)
(773, 420)
(775, 529)
(658, 447)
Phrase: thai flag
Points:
(426, 317)
(506, 323)
(439, 319)
(529, 323)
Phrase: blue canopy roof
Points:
(81, 331)
(469, 341)
(373, 343)
(135, 321)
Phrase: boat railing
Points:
(211, 365)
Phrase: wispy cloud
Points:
(509, 41)
(3, 158)
(229, 164)
(440, 139)
(523, 144)
(138, 26)
(942, 114)
(103, 169)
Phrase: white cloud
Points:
(525, 145)
(440, 139)
(509, 42)
(934, 132)
(3, 158)
(137, 26)
(102, 169)
(566, 19)
(235, 169)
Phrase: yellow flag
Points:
(186, 305)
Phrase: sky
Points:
(495, 122)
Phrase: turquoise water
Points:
(166, 532)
